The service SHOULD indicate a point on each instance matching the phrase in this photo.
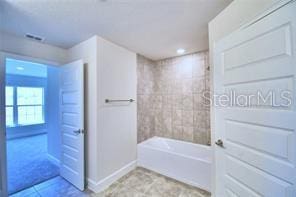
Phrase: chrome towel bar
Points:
(126, 100)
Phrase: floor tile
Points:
(164, 187)
(60, 188)
(138, 183)
(111, 189)
(191, 191)
(101, 194)
(124, 191)
(30, 192)
(188, 190)
(48, 183)
(144, 183)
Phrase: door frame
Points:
(3, 160)
(264, 13)
(3, 57)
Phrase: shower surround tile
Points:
(171, 98)
(199, 84)
(177, 117)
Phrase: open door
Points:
(72, 123)
(255, 149)
(3, 174)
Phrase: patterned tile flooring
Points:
(138, 183)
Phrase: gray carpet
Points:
(27, 163)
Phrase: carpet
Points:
(27, 162)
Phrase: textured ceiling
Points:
(153, 28)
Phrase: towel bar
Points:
(126, 100)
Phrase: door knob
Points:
(77, 132)
(219, 143)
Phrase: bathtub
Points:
(186, 162)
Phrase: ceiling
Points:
(153, 28)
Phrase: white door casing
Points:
(3, 173)
(72, 123)
(258, 156)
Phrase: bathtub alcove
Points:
(183, 161)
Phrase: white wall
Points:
(22, 46)
(110, 72)
(52, 114)
(117, 131)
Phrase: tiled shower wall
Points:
(170, 98)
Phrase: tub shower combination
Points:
(186, 162)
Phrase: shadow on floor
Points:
(27, 163)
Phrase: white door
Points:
(72, 123)
(258, 154)
(3, 177)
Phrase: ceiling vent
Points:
(34, 37)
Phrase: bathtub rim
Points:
(209, 148)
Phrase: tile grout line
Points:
(149, 187)
(36, 191)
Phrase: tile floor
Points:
(54, 187)
(138, 183)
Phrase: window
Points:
(26, 107)
(29, 105)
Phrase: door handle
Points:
(219, 143)
(77, 132)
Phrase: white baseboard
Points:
(106, 182)
(54, 159)
(10, 135)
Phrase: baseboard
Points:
(106, 182)
(54, 160)
(16, 135)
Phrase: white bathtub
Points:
(186, 162)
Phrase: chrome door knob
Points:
(219, 143)
(77, 132)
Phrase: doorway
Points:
(42, 126)
(32, 133)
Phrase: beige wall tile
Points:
(170, 98)
(198, 85)
(187, 85)
(177, 117)
(177, 132)
(187, 101)
(187, 118)
(187, 133)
